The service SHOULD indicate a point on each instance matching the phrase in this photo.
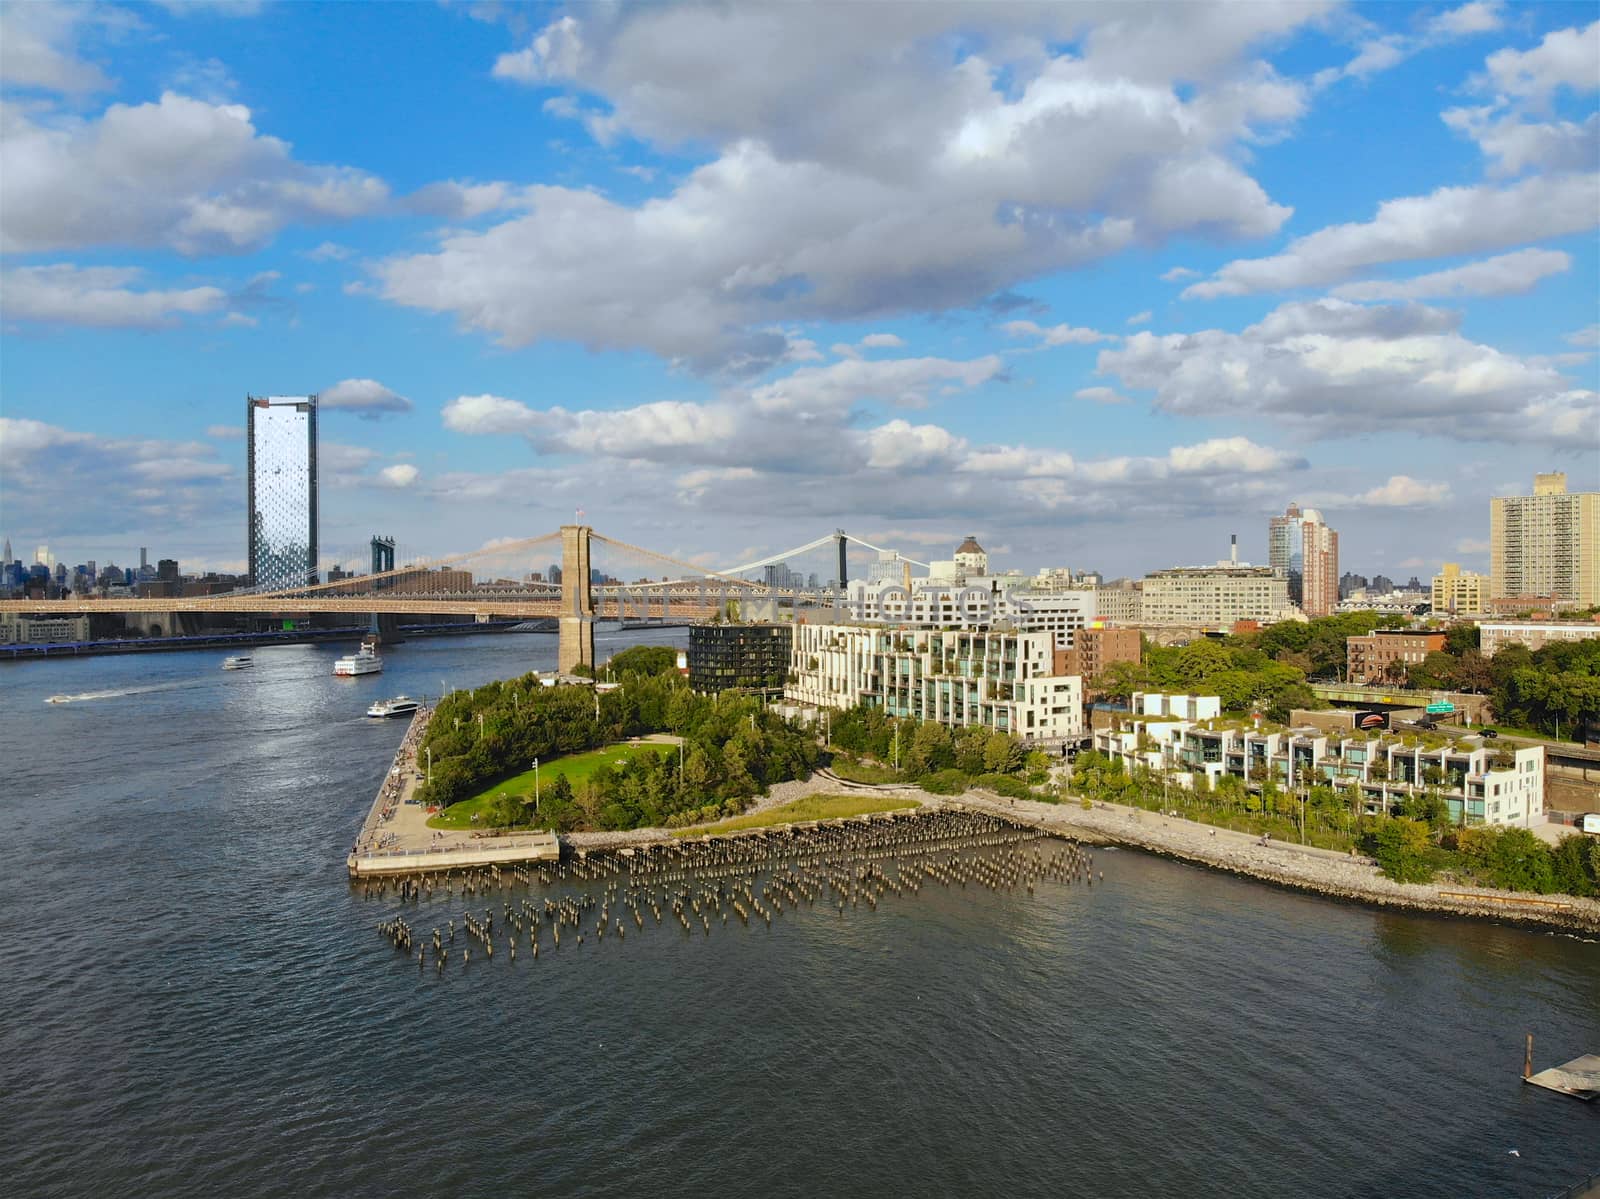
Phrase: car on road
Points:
(1490, 733)
(1430, 725)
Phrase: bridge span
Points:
(576, 602)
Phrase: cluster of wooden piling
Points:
(753, 879)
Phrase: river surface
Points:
(196, 1003)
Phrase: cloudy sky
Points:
(1098, 282)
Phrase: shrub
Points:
(1005, 784)
(945, 782)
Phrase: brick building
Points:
(1367, 659)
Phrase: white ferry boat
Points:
(364, 661)
(241, 662)
(400, 705)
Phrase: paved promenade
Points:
(396, 839)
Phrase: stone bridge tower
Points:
(577, 600)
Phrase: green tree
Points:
(1001, 754)
(1575, 863)
(1400, 847)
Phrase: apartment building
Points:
(1547, 543)
(1004, 681)
(981, 602)
(1495, 635)
(1215, 596)
(1097, 647)
(1367, 659)
(1305, 552)
(1457, 591)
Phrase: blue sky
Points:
(1097, 282)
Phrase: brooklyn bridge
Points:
(473, 585)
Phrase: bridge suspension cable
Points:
(776, 558)
(694, 571)
(880, 550)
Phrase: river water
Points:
(197, 1003)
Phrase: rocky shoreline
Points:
(1326, 873)
(1322, 872)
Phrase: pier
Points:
(395, 837)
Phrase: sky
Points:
(1099, 283)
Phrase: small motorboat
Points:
(241, 662)
(59, 699)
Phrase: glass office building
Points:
(282, 474)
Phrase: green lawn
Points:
(812, 807)
(575, 768)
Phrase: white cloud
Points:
(212, 8)
(1481, 16)
(329, 251)
(1565, 58)
(38, 48)
(455, 201)
(181, 173)
(1587, 337)
(1140, 318)
(367, 398)
(139, 483)
(899, 444)
(1514, 130)
(1179, 273)
(1331, 367)
(400, 475)
(1100, 395)
(1402, 491)
(1513, 144)
(238, 320)
(1382, 51)
(1056, 335)
(1506, 274)
(225, 432)
(1229, 454)
(882, 341)
(64, 294)
(839, 387)
(481, 414)
(900, 178)
(1473, 545)
(1450, 221)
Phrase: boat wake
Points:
(85, 696)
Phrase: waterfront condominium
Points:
(281, 478)
(1005, 681)
(1546, 545)
(1305, 551)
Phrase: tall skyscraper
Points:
(282, 480)
(1546, 544)
(1305, 551)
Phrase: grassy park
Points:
(812, 807)
(575, 768)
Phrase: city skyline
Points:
(1335, 256)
